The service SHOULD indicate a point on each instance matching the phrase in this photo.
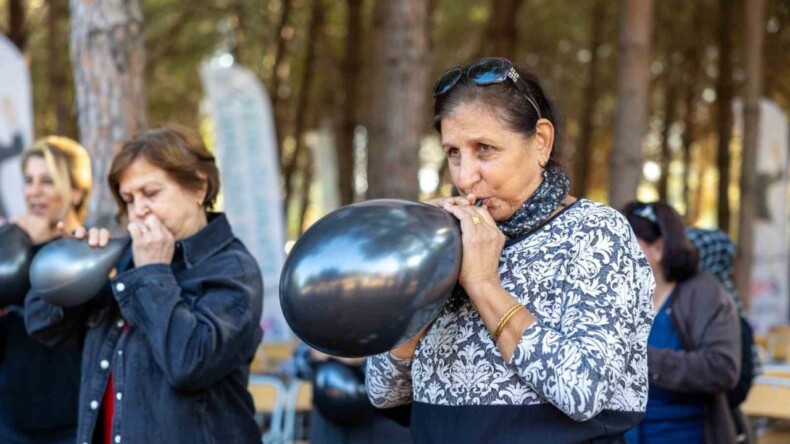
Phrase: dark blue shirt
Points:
(671, 417)
(180, 369)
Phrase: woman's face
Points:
(41, 197)
(148, 189)
(491, 161)
(653, 253)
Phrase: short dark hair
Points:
(179, 151)
(511, 106)
(658, 220)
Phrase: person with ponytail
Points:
(693, 352)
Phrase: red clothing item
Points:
(109, 408)
(108, 404)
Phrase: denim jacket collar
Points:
(210, 239)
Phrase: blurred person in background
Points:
(357, 423)
(39, 385)
(694, 346)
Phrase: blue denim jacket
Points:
(180, 370)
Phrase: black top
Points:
(39, 385)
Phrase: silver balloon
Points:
(16, 252)
(368, 277)
(69, 272)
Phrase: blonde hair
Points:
(70, 167)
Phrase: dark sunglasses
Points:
(488, 71)
(647, 212)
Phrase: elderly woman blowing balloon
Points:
(169, 340)
(37, 404)
(545, 339)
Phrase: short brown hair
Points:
(179, 151)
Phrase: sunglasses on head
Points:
(647, 212)
(488, 71)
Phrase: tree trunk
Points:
(502, 31)
(670, 105)
(394, 157)
(57, 69)
(724, 94)
(108, 58)
(755, 29)
(17, 27)
(301, 156)
(633, 84)
(690, 79)
(581, 161)
(353, 62)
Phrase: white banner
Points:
(245, 144)
(16, 126)
(768, 304)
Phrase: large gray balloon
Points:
(69, 272)
(16, 252)
(368, 277)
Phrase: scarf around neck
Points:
(539, 206)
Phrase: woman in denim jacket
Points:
(169, 340)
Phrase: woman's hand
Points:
(482, 243)
(457, 200)
(407, 349)
(152, 242)
(319, 356)
(97, 237)
(38, 228)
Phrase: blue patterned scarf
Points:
(538, 207)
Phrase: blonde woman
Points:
(39, 385)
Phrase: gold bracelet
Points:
(505, 318)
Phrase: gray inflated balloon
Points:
(369, 276)
(69, 272)
(16, 253)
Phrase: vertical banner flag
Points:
(245, 144)
(769, 296)
(16, 126)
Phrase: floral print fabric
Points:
(585, 279)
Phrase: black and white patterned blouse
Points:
(578, 374)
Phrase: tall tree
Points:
(671, 73)
(279, 55)
(633, 84)
(17, 24)
(393, 158)
(755, 29)
(301, 156)
(691, 87)
(108, 57)
(502, 28)
(724, 95)
(581, 167)
(353, 64)
(57, 68)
